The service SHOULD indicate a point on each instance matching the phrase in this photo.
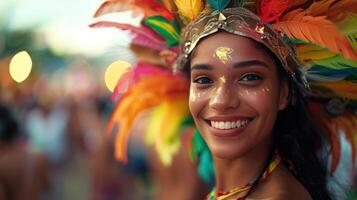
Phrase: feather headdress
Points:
(319, 36)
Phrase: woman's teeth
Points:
(229, 125)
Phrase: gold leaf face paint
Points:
(223, 54)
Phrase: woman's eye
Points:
(203, 80)
(251, 77)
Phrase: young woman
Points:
(242, 109)
(258, 121)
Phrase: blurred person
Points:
(23, 174)
(45, 125)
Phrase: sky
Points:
(64, 25)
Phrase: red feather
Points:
(271, 10)
(155, 6)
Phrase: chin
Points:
(227, 152)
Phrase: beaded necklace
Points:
(222, 195)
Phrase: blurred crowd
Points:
(54, 145)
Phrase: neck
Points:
(232, 173)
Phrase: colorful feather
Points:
(189, 9)
(164, 28)
(111, 6)
(307, 53)
(132, 76)
(218, 4)
(147, 7)
(271, 10)
(168, 5)
(296, 3)
(349, 27)
(331, 8)
(337, 63)
(142, 31)
(317, 30)
(342, 89)
(164, 12)
(146, 93)
(205, 163)
(164, 128)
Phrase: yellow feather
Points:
(164, 128)
(307, 53)
(343, 89)
(189, 8)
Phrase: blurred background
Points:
(53, 78)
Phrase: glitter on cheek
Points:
(223, 79)
(265, 90)
(193, 96)
(196, 95)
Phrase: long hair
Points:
(299, 142)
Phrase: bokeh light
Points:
(20, 66)
(114, 72)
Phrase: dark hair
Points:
(298, 140)
(8, 125)
(296, 137)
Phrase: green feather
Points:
(205, 165)
(349, 27)
(164, 28)
(337, 62)
(187, 122)
(218, 4)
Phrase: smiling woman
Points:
(242, 95)
(235, 104)
(272, 86)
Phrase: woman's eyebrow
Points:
(201, 67)
(249, 63)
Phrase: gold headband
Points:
(242, 22)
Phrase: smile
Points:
(224, 125)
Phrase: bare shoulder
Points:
(281, 185)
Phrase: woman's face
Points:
(235, 94)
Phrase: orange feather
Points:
(332, 8)
(147, 93)
(296, 3)
(297, 24)
(344, 89)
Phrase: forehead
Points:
(242, 47)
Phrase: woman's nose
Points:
(224, 98)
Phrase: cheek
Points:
(197, 100)
(261, 99)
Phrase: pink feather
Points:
(133, 76)
(151, 35)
